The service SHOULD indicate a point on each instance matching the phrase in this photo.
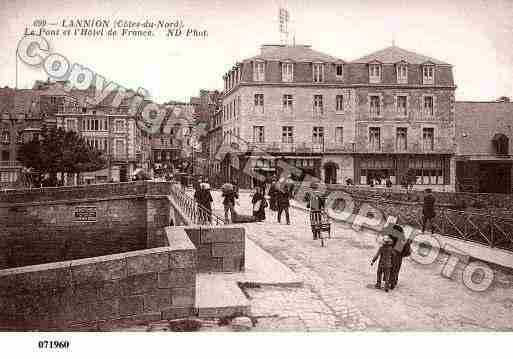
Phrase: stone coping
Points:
(176, 236)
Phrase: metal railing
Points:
(196, 213)
(489, 230)
(496, 232)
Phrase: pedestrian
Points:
(385, 253)
(428, 210)
(402, 248)
(230, 195)
(204, 198)
(283, 202)
(388, 184)
(259, 205)
(315, 203)
(273, 196)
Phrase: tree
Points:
(30, 155)
(58, 151)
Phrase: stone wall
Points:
(220, 249)
(486, 201)
(40, 225)
(151, 284)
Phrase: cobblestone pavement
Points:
(338, 290)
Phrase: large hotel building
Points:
(373, 118)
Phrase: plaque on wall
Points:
(85, 214)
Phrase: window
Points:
(259, 103)
(318, 72)
(287, 135)
(374, 73)
(402, 105)
(339, 135)
(318, 106)
(374, 138)
(501, 144)
(428, 106)
(258, 134)
(120, 147)
(318, 135)
(402, 73)
(339, 100)
(378, 168)
(428, 73)
(120, 125)
(428, 170)
(19, 137)
(259, 71)
(428, 139)
(287, 72)
(6, 155)
(375, 106)
(6, 137)
(287, 103)
(401, 141)
(70, 125)
(339, 71)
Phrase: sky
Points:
(474, 36)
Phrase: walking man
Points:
(229, 194)
(283, 200)
(428, 210)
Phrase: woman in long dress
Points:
(259, 204)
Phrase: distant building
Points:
(22, 115)
(373, 118)
(169, 146)
(110, 129)
(484, 137)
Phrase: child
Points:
(385, 253)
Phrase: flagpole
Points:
(16, 61)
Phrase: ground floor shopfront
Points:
(486, 175)
(430, 170)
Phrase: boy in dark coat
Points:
(385, 254)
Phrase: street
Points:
(339, 293)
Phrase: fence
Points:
(493, 231)
(196, 213)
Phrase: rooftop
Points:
(296, 53)
(394, 54)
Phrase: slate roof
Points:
(297, 53)
(394, 54)
(20, 101)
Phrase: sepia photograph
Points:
(318, 168)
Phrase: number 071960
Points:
(53, 344)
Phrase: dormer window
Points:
(428, 74)
(374, 73)
(259, 71)
(402, 73)
(318, 72)
(339, 71)
(287, 72)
